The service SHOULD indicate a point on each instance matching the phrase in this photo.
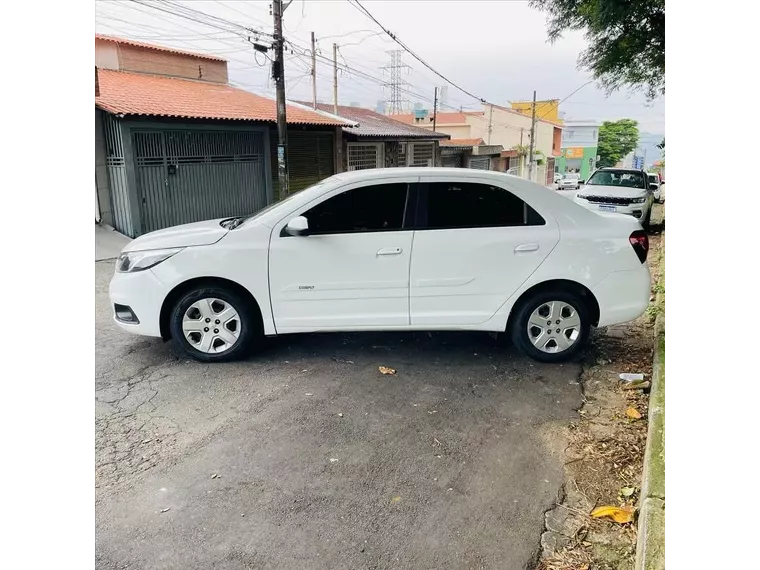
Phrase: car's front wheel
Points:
(215, 324)
(551, 326)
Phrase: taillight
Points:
(640, 243)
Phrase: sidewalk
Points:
(108, 242)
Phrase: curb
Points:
(650, 546)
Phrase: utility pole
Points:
(532, 137)
(490, 124)
(335, 79)
(313, 72)
(278, 74)
(435, 107)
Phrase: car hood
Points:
(198, 233)
(615, 191)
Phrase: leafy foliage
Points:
(626, 39)
(616, 139)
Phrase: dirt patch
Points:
(604, 459)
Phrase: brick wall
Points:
(144, 60)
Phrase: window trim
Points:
(405, 220)
(422, 192)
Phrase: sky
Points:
(494, 49)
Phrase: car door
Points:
(474, 245)
(351, 272)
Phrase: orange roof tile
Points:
(462, 142)
(127, 93)
(155, 47)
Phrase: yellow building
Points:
(548, 109)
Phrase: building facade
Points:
(174, 143)
(377, 141)
(500, 126)
(580, 145)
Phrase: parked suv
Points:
(619, 190)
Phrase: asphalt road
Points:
(305, 456)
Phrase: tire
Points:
(528, 341)
(647, 219)
(230, 340)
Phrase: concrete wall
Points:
(580, 135)
(145, 60)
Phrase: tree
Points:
(617, 139)
(626, 39)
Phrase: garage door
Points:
(480, 162)
(186, 176)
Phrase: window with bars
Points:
(362, 156)
(401, 154)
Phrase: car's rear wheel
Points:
(551, 326)
(215, 324)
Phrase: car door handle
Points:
(390, 251)
(525, 247)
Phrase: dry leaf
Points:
(627, 491)
(395, 499)
(386, 370)
(633, 413)
(617, 514)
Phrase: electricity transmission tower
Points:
(396, 103)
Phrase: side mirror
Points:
(298, 226)
(581, 181)
(653, 187)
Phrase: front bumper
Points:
(638, 211)
(143, 294)
(623, 295)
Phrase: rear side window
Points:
(470, 205)
(375, 208)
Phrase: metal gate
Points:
(452, 160)
(186, 176)
(480, 162)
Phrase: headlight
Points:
(133, 261)
(638, 200)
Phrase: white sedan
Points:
(570, 181)
(396, 249)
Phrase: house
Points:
(580, 145)
(175, 143)
(378, 141)
(472, 153)
(499, 126)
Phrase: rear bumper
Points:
(623, 295)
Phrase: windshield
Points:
(624, 178)
(571, 176)
(237, 222)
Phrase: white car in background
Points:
(389, 249)
(619, 190)
(570, 181)
(654, 178)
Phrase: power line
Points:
(356, 4)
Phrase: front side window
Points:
(379, 207)
(469, 205)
